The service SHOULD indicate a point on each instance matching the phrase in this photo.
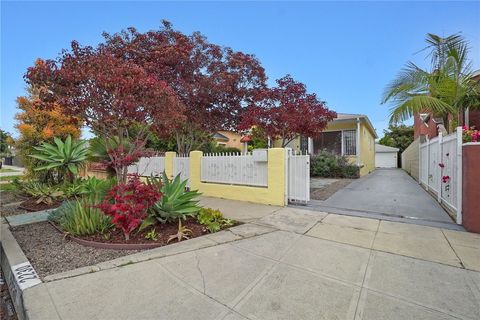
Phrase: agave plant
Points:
(65, 157)
(176, 202)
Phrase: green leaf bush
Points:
(329, 165)
(213, 219)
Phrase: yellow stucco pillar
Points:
(276, 176)
(195, 169)
(169, 163)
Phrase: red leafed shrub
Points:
(128, 202)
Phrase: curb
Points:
(29, 295)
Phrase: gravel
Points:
(50, 253)
(327, 191)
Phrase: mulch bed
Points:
(327, 191)
(164, 231)
(32, 205)
(50, 252)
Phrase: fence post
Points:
(169, 158)
(288, 152)
(428, 165)
(195, 169)
(459, 173)
(440, 158)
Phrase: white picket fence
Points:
(237, 169)
(298, 177)
(181, 165)
(148, 166)
(440, 169)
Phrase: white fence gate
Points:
(440, 169)
(182, 165)
(298, 177)
(148, 166)
(238, 169)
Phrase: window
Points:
(330, 141)
(337, 142)
(349, 143)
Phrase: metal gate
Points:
(182, 165)
(298, 177)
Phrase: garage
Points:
(386, 157)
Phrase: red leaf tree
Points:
(213, 83)
(110, 94)
(287, 111)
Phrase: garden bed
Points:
(50, 252)
(328, 190)
(138, 241)
(32, 205)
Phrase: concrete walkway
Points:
(386, 192)
(18, 171)
(287, 263)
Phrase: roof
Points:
(380, 148)
(246, 139)
(354, 116)
(219, 136)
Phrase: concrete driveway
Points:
(286, 263)
(389, 193)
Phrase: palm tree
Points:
(448, 88)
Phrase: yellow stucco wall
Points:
(274, 194)
(233, 139)
(367, 150)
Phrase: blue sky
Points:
(346, 52)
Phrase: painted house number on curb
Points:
(25, 275)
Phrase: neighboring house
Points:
(350, 135)
(425, 125)
(386, 157)
(229, 139)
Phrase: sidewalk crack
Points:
(200, 271)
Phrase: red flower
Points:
(441, 165)
(445, 179)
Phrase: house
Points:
(425, 125)
(350, 135)
(228, 139)
(386, 157)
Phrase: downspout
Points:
(358, 142)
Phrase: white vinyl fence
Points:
(440, 169)
(238, 169)
(148, 166)
(181, 165)
(298, 177)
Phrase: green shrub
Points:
(176, 202)
(329, 165)
(64, 157)
(222, 149)
(43, 192)
(81, 217)
(213, 219)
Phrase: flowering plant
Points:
(470, 134)
(445, 179)
(441, 165)
(128, 203)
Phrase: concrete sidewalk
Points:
(284, 264)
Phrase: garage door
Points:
(386, 160)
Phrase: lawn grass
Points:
(9, 178)
(8, 187)
(7, 170)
